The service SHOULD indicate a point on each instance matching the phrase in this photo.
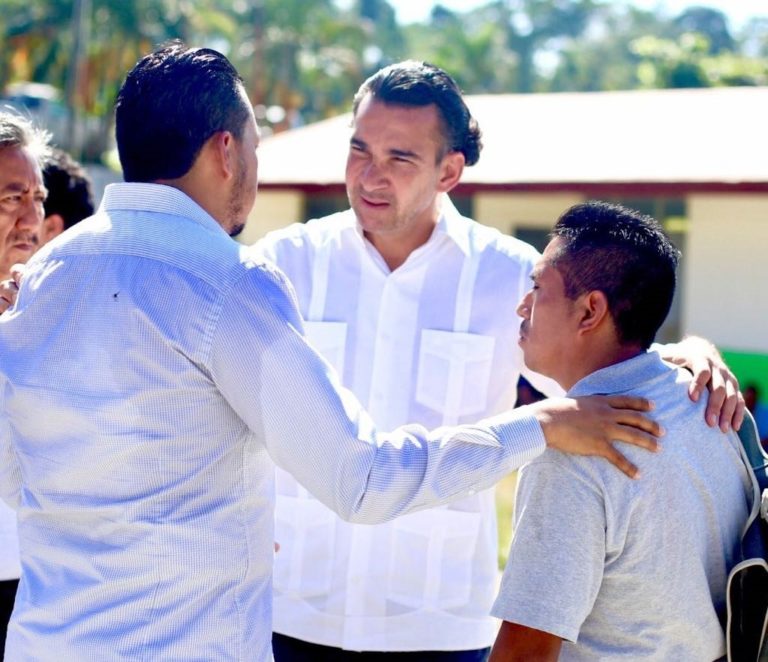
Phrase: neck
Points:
(395, 249)
(396, 245)
(196, 188)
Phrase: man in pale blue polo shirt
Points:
(601, 569)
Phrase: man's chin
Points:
(236, 229)
(16, 257)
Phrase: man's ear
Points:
(451, 168)
(224, 148)
(53, 226)
(594, 311)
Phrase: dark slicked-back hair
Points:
(623, 254)
(412, 83)
(170, 104)
(69, 188)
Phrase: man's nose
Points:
(524, 307)
(373, 175)
(30, 216)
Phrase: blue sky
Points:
(738, 11)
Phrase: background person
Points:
(598, 568)
(22, 146)
(70, 194)
(401, 294)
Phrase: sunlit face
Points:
(550, 319)
(21, 207)
(393, 174)
(245, 184)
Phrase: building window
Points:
(317, 205)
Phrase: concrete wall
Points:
(508, 211)
(273, 210)
(726, 270)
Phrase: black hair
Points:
(625, 255)
(170, 104)
(412, 83)
(69, 188)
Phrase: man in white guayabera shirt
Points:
(602, 569)
(410, 302)
(153, 370)
(22, 192)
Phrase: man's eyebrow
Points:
(15, 187)
(405, 153)
(400, 153)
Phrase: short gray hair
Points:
(18, 131)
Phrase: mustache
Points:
(27, 238)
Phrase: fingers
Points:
(738, 413)
(631, 433)
(8, 291)
(732, 413)
(725, 406)
(629, 402)
(717, 398)
(702, 374)
(17, 273)
(633, 427)
(621, 462)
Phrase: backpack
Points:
(747, 590)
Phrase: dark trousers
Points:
(288, 649)
(7, 596)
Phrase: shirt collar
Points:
(453, 225)
(621, 377)
(157, 198)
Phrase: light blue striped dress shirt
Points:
(152, 372)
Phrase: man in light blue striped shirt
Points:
(172, 371)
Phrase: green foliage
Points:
(309, 58)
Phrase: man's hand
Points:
(590, 426)
(725, 406)
(9, 288)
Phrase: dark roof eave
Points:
(587, 188)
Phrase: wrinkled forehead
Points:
(18, 165)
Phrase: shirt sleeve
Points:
(313, 428)
(10, 473)
(555, 564)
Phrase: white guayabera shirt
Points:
(435, 342)
(152, 372)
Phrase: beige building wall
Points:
(509, 211)
(273, 210)
(726, 270)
